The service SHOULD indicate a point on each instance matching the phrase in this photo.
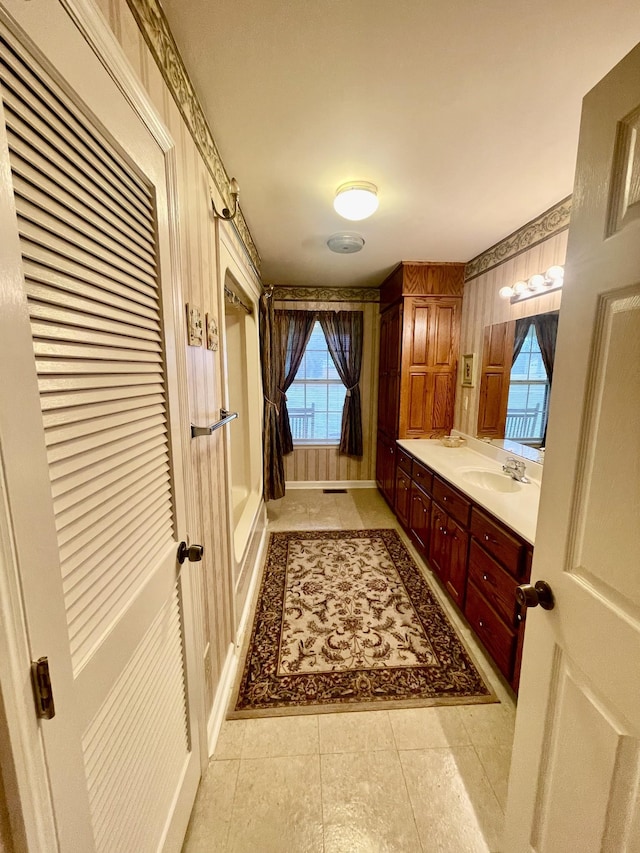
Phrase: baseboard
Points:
(228, 676)
(330, 484)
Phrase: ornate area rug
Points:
(345, 621)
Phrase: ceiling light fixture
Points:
(345, 243)
(234, 192)
(356, 200)
(538, 284)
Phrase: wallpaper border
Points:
(326, 294)
(548, 224)
(156, 32)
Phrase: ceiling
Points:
(465, 114)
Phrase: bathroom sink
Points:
(493, 481)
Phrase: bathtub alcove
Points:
(244, 396)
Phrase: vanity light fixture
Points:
(538, 284)
(356, 200)
(234, 192)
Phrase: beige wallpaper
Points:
(481, 306)
(199, 273)
(326, 463)
(5, 829)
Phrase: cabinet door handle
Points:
(481, 623)
(445, 498)
(487, 538)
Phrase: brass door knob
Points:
(528, 595)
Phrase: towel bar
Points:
(225, 418)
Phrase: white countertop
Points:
(518, 510)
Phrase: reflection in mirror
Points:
(517, 372)
(530, 379)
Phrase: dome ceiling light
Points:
(356, 200)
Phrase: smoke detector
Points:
(345, 243)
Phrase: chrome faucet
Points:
(515, 469)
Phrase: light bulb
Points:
(520, 287)
(555, 273)
(356, 200)
(536, 281)
(506, 292)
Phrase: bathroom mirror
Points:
(516, 378)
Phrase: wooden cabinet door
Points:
(456, 578)
(381, 462)
(438, 545)
(497, 355)
(386, 467)
(389, 373)
(403, 496)
(429, 362)
(420, 518)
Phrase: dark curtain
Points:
(273, 466)
(522, 329)
(292, 332)
(546, 326)
(343, 331)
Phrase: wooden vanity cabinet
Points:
(449, 543)
(479, 560)
(498, 562)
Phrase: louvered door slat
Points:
(67, 240)
(61, 325)
(68, 433)
(65, 468)
(83, 526)
(84, 546)
(73, 196)
(64, 256)
(68, 399)
(45, 289)
(28, 143)
(71, 506)
(55, 118)
(89, 382)
(50, 268)
(81, 220)
(76, 414)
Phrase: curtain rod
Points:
(234, 299)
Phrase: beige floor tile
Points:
(489, 725)
(365, 804)
(210, 819)
(355, 732)
(453, 803)
(229, 744)
(427, 728)
(279, 736)
(277, 806)
(496, 761)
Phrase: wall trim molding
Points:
(330, 484)
(155, 30)
(282, 293)
(230, 668)
(548, 224)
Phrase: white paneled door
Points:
(89, 425)
(575, 781)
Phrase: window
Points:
(316, 397)
(528, 394)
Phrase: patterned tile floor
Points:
(426, 780)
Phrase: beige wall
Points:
(5, 829)
(481, 306)
(199, 261)
(326, 463)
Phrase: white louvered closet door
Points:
(97, 533)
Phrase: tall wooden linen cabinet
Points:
(420, 305)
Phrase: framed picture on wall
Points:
(468, 370)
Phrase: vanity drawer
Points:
(498, 587)
(453, 502)
(403, 460)
(491, 630)
(497, 541)
(422, 476)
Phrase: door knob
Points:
(193, 553)
(528, 595)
